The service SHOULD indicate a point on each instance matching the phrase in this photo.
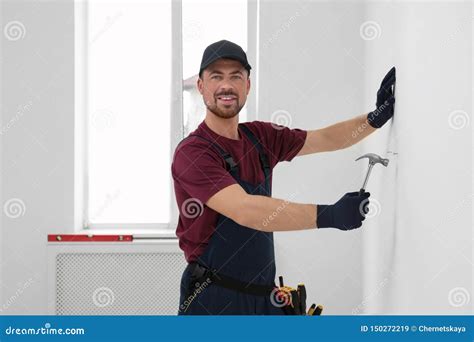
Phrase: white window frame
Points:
(81, 157)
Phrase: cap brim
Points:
(233, 57)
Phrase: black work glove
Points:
(347, 213)
(385, 101)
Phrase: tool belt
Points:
(292, 301)
(201, 274)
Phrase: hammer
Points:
(373, 159)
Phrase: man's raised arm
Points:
(338, 136)
(347, 133)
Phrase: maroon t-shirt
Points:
(199, 172)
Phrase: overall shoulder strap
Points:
(229, 161)
(264, 162)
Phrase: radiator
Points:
(128, 283)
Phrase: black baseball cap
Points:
(223, 49)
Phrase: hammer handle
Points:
(362, 190)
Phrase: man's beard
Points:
(228, 112)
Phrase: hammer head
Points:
(374, 159)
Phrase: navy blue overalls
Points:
(235, 251)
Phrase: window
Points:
(127, 55)
(128, 107)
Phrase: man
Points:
(222, 176)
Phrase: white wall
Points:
(311, 65)
(418, 248)
(37, 144)
(319, 62)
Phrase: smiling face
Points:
(224, 86)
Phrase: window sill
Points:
(138, 234)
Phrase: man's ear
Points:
(199, 85)
(248, 85)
